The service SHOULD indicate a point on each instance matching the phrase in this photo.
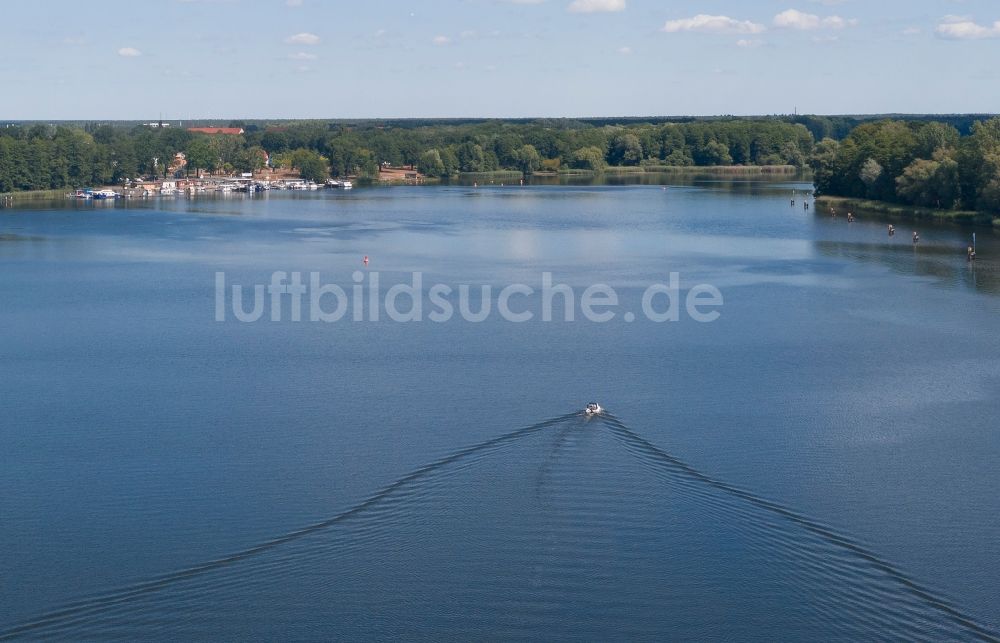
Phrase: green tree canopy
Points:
(625, 150)
(528, 159)
(311, 165)
(589, 158)
(431, 164)
(930, 182)
(201, 155)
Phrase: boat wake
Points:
(100, 602)
(575, 513)
(657, 457)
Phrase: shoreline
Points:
(909, 212)
(7, 198)
(735, 170)
(29, 195)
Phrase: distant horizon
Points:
(142, 120)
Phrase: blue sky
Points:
(63, 59)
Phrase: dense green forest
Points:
(45, 156)
(928, 164)
(949, 163)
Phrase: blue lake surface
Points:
(821, 462)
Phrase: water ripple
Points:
(550, 531)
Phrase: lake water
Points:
(821, 462)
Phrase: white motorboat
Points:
(593, 409)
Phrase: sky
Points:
(223, 59)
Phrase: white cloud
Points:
(441, 41)
(526, 1)
(748, 43)
(625, 51)
(912, 31)
(836, 22)
(293, 3)
(963, 28)
(301, 55)
(303, 38)
(596, 6)
(795, 19)
(129, 52)
(712, 24)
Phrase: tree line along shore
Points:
(948, 164)
(46, 156)
(918, 170)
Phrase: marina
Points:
(194, 187)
